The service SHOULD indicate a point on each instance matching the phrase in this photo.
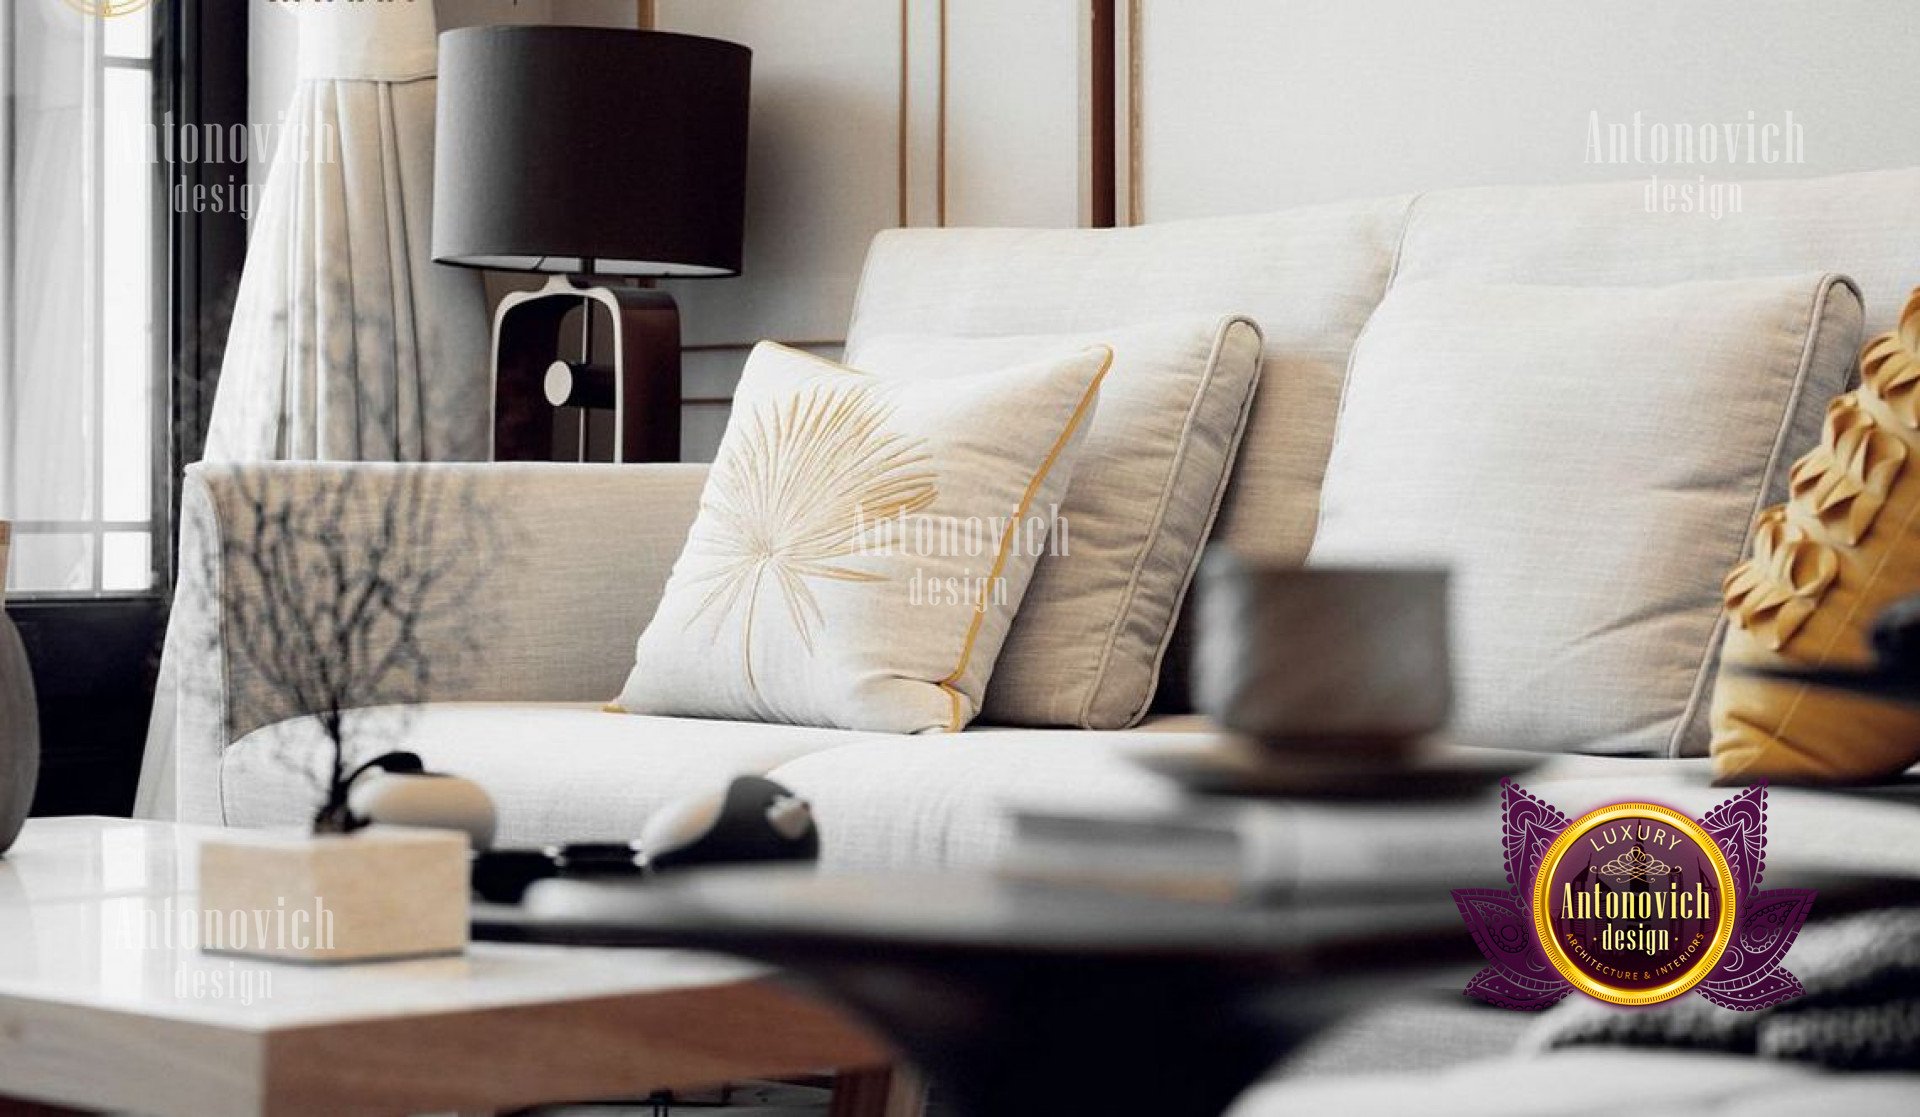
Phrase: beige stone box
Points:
(383, 892)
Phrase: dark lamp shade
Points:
(590, 151)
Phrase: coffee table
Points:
(1023, 999)
(100, 1010)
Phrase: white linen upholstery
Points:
(1085, 648)
(1587, 462)
(947, 802)
(1309, 277)
(598, 541)
(585, 550)
(921, 802)
(557, 772)
(1865, 226)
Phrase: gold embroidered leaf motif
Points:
(1845, 479)
(1890, 365)
(790, 498)
(1773, 593)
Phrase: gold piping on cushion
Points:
(1773, 593)
(1845, 480)
(1006, 538)
(1890, 365)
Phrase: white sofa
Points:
(594, 543)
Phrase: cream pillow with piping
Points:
(1086, 649)
(863, 543)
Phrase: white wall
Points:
(873, 113)
(1263, 104)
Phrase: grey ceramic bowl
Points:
(1322, 657)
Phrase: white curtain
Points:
(347, 342)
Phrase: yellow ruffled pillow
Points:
(1844, 546)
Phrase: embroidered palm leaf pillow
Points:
(863, 543)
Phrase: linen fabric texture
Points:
(1086, 647)
(863, 543)
(1585, 460)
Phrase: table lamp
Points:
(589, 152)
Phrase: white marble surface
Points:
(85, 911)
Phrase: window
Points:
(82, 243)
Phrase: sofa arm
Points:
(576, 558)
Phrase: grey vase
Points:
(19, 735)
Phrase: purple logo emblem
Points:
(1634, 904)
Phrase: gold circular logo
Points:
(107, 9)
(1634, 903)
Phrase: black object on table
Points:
(1021, 998)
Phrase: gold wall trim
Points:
(646, 15)
(901, 139)
(940, 129)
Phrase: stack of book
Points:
(1265, 851)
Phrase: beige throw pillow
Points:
(863, 543)
(1086, 647)
(1588, 461)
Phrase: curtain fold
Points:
(347, 342)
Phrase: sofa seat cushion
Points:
(944, 802)
(948, 801)
(557, 772)
(1593, 1082)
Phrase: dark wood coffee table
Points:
(1028, 999)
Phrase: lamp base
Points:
(644, 376)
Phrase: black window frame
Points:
(95, 656)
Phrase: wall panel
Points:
(1013, 151)
(869, 114)
(1250, 105)
(823, 157)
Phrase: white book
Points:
(1265, 851)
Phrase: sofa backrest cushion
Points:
(1086, 647)
(1310, 278)
(1865, 226)
(1586, 461)
(1307, 277)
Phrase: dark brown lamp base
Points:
(532, 376)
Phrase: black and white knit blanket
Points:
(1861, 1010)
